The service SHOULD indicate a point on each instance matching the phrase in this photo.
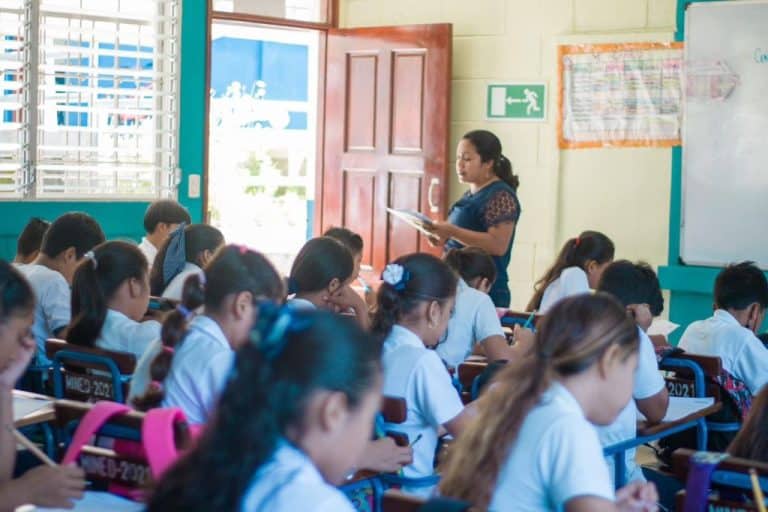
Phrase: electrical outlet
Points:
(194, 186)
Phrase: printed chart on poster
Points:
(624, 95)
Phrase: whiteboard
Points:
(725, 142)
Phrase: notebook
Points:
(94, 501)
(24, 405)
(680, 407)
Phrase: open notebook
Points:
(25, 405)
(680, 407)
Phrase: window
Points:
(90, 98)
(300, 10)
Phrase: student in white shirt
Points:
(184, 253)
(44, 486)
(321, 277)
(474, 324)
(64, 246)
(110, 295)
(577, 270)
(533, 446)
(636, 286)
(187, 368)
(296, 413)
(30, 240)
(414, 306)
(354, 243)
(741, 298)
(160, 220)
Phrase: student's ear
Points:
(433, 313)
(334, 285)
(333, 410)
(205, 257)
(135, 287)
(69, 255)
(608, 361)
(590, 266)
(754, 316)
(242, 304)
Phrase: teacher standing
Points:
(486, 215)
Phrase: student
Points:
(160, 220)
(42, 486)
(110, 295)
(321, 277)
(474, 321)
(741, 297)
(415, 302)
(354, 243)
(184, 253)
(187, 368)
(577, 270)
(533, 445)
(30, 240)
(64, 246)
(637, 288)
(295, 415)
(752, 440)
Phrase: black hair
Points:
(426, 278)
(75, 229)
(198, 238)
(233, 269)
(167, 211)
(95, 281)
(471, 263)
(31, 237)
(265, 399)
(577, 252)
(347, 238)
(633, 283)
(488, 146)
(16, 295)
(739, 285)
(319, 262)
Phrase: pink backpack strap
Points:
(158, 439)
(94, 419)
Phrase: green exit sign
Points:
(516, 101)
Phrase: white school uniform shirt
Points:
(290, 482)
(556, 457)
(149, 250)
(648, 382)
(176, 286)
(52, 310)
(413, 372)
(572, 281)
(743, 355)
(473, 320)
(121, 334)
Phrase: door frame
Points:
(332, 10)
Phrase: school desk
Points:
(33, 412)
(647, 434)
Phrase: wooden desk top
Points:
(644, 430)
(42, 415)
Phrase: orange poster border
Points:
(580, 49)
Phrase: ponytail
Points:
(577, 252)
(96, 280)
(175, 329)
(409, 281)
(292, 355)
(488, 146)
(571, 338)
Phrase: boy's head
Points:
(68, 239)
(352, 241)
(742, 290)
(162, 218)
(30, 240)
(633, 284)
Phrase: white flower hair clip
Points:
(396, 276)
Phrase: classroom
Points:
(383, 256)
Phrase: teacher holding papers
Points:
(486, 215)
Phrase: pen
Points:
(418, 438)
(529, 323)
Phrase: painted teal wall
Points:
(124, 219)
(690, 286)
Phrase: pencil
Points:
(32, 447)
(757, 491)
(529, 323)
(418, 438)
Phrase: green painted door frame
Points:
(690, 287)
(124, 219)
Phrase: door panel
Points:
(387, 103)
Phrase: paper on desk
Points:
(24, 406)
(94, 501)
(680, 407)
(662, 327)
